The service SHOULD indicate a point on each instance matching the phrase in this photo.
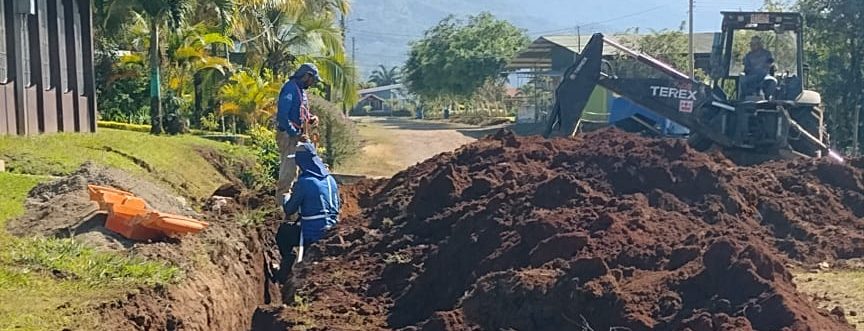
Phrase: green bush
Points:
(263, 141)
(123, 126)
(339, 137)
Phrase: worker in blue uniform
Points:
(315, 197)
(292, 115)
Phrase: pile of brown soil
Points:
(601, 231)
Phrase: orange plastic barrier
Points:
(173, 224)
(126, 220)
(107, 195)
(129, 216)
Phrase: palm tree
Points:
(383, 76)
(250, 96)
(189, 63)
(279, 34)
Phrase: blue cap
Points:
(307, 68)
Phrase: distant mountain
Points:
(383, 29)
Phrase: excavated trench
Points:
(226, 280)
(225, 275)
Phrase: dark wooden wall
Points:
(46, 71)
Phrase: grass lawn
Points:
(49, 283)
(378, 157)
(172, 160)
(844, 288)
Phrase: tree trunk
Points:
(155, 95)
(197, 112)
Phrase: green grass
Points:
(50, 283)
(832, 288)
(378, 157)
(47, 283)
(170, 159)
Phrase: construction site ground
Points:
(605, 230)
(392, 144)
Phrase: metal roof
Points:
(538, 55)
(380, 89)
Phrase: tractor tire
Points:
(810, 118)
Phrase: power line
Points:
(604, 21)
(385, 33)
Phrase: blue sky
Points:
(384, 28)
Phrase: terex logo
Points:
(674, 93)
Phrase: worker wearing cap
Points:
(315, 197)
(292, 113)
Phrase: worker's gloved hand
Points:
(313, 120)
(304, 138)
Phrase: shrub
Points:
(339, 137)
(123, 126)
(263, 141)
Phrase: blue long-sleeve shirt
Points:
(317, 201)
(288, 109)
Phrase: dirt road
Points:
(394, 144)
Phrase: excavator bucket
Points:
(575, 89)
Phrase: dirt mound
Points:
(62, 207)
(605, 230)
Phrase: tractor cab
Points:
(759, 56)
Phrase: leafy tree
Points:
(158, 13)
(835, 52)
(278, 35)
(668, 46)
(250, 96)
(383, 76)
(456, 57)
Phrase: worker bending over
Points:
(315, 197)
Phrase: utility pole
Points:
(354, 50)
(692, 57)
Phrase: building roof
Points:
(381, 89)
(538, 55)
(369, 96)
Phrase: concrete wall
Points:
(46, 68)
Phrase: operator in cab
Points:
(757, 67)
(315, 197)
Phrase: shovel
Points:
(300, 249)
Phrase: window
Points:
(44, 47)
(4, 60)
